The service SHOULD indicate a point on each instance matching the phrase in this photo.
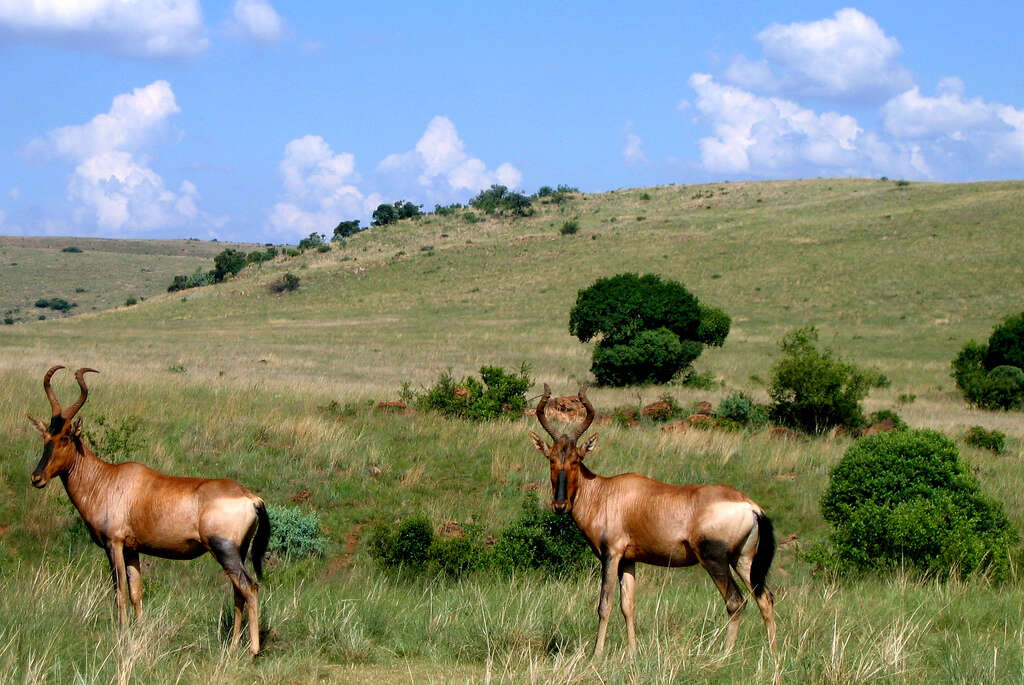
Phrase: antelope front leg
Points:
(609, 573)
(627, 593)
(115, 553)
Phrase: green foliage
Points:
(812, 390)
(905, 497)
(196, 280)
(405, 547)
(312, 241)
(652, 356)
(286, 283)
(541, 539)
(72, 248)
(742, 409)
(116, 440)
(992, 440)
(344, 229)
(499, 200)
(649, 328)
(131, 301)
(447, 210)
(570, 227)
(58, 304)
(714, 326)
(228, 263)
(992, 376)
(497, 393)
(390, 213)
(294, 534)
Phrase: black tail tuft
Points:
(764, 554)
(262, 539)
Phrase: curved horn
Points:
(73, 409)
(582, 428)
(54, 404)
(540, 412)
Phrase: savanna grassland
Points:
(235, 380)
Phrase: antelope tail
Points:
(765, 553)
(262, 538)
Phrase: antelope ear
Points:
(39, 425)
(538, 443)
(589, 445)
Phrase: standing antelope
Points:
(131, 509)
(630, 518)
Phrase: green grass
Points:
(234, 380)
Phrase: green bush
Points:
(993, 440)
(542, 540)
(58, 304)
(406, 547)
(72, 248)
(497, 393)
(294, 534)
(742, 409)
(344, 229)
(286, 283)
(228, 263)
(812, 390)
(883, 414)
(570, 227)
(648, 329)
(390, 213)
(499, 200)
(312, 241)
(906, 498)
(992, 376)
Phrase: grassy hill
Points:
(237, 380)
(93, 273)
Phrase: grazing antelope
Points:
(131, 509)
(630, 518)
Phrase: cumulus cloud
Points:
(440, 164)
(111, 183)
(319, 189)
(257, 20)
(157, 28)
(633, 146)
(846, 57)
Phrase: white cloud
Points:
(112, 183)
(319, 189)
(846, 57)
(257, 20)
(633, 145)
(762, 135)
(440, 164)
(143, 28)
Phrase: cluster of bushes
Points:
(649, 329)
(499, 200)
(58, 304)
(344, 229)
(904, 498)
(496, 393)
(991, 376)
(538, 539)
(227, 263)
(993, 440)
(555, 195)
(390, 213)
(285, 284)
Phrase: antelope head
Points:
(563, 455)
(62, 437)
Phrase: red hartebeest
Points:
(131, 509)
(630, 518)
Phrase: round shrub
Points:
(653, 356)
(405, 547)
(543, 540)
(992, 376)
(905, 497)
(294, 534)
(739, 407)
(714, 326)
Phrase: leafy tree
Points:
(812, 390)
(649, 329)
(384, 214)
(992, 376)
(228, 263)
(312, 241)
(346, 228)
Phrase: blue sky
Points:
(265, 121)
